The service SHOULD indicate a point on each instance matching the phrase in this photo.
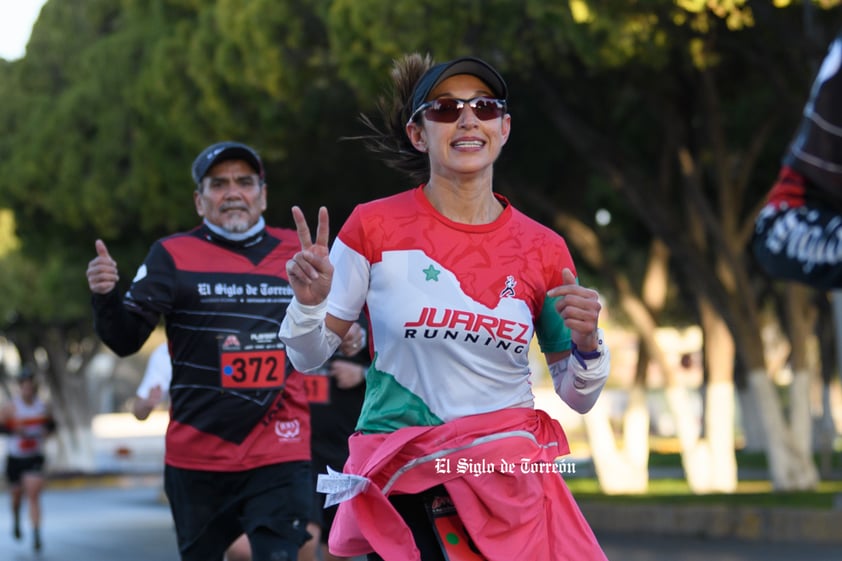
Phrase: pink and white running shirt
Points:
(452, 307)
(31, 422)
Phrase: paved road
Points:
(97, 524)
(131, 523)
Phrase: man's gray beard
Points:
(236, 226)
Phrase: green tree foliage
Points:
(674, 116)
(114, 100)
(610, 100)
(102, 120)
(607, 89)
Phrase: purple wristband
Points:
(583, 356)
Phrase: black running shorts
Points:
(211, 509)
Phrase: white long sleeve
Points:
(309, 343)
(580, 381)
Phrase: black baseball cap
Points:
(26, 372)
(464, 65)
(222, 151)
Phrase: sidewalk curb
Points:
(66, 481)
(747, 523)
(771, 524)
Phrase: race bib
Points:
(317, 388)
(252, 361)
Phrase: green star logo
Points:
(432, 273)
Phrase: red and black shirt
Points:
(235, 402)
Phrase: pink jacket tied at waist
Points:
(520, 509)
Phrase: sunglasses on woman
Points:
(448, 109)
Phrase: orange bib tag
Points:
(454, 540)
(252, 366)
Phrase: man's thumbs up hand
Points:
(102, 270)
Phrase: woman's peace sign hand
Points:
(310, 271)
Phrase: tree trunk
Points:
(800, 319)
(70, 399)
(719, 424)
(788, 469)
(620, 470)
(825, 432)
(753, 435)
(719, 352)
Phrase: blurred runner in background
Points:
(28, 421)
